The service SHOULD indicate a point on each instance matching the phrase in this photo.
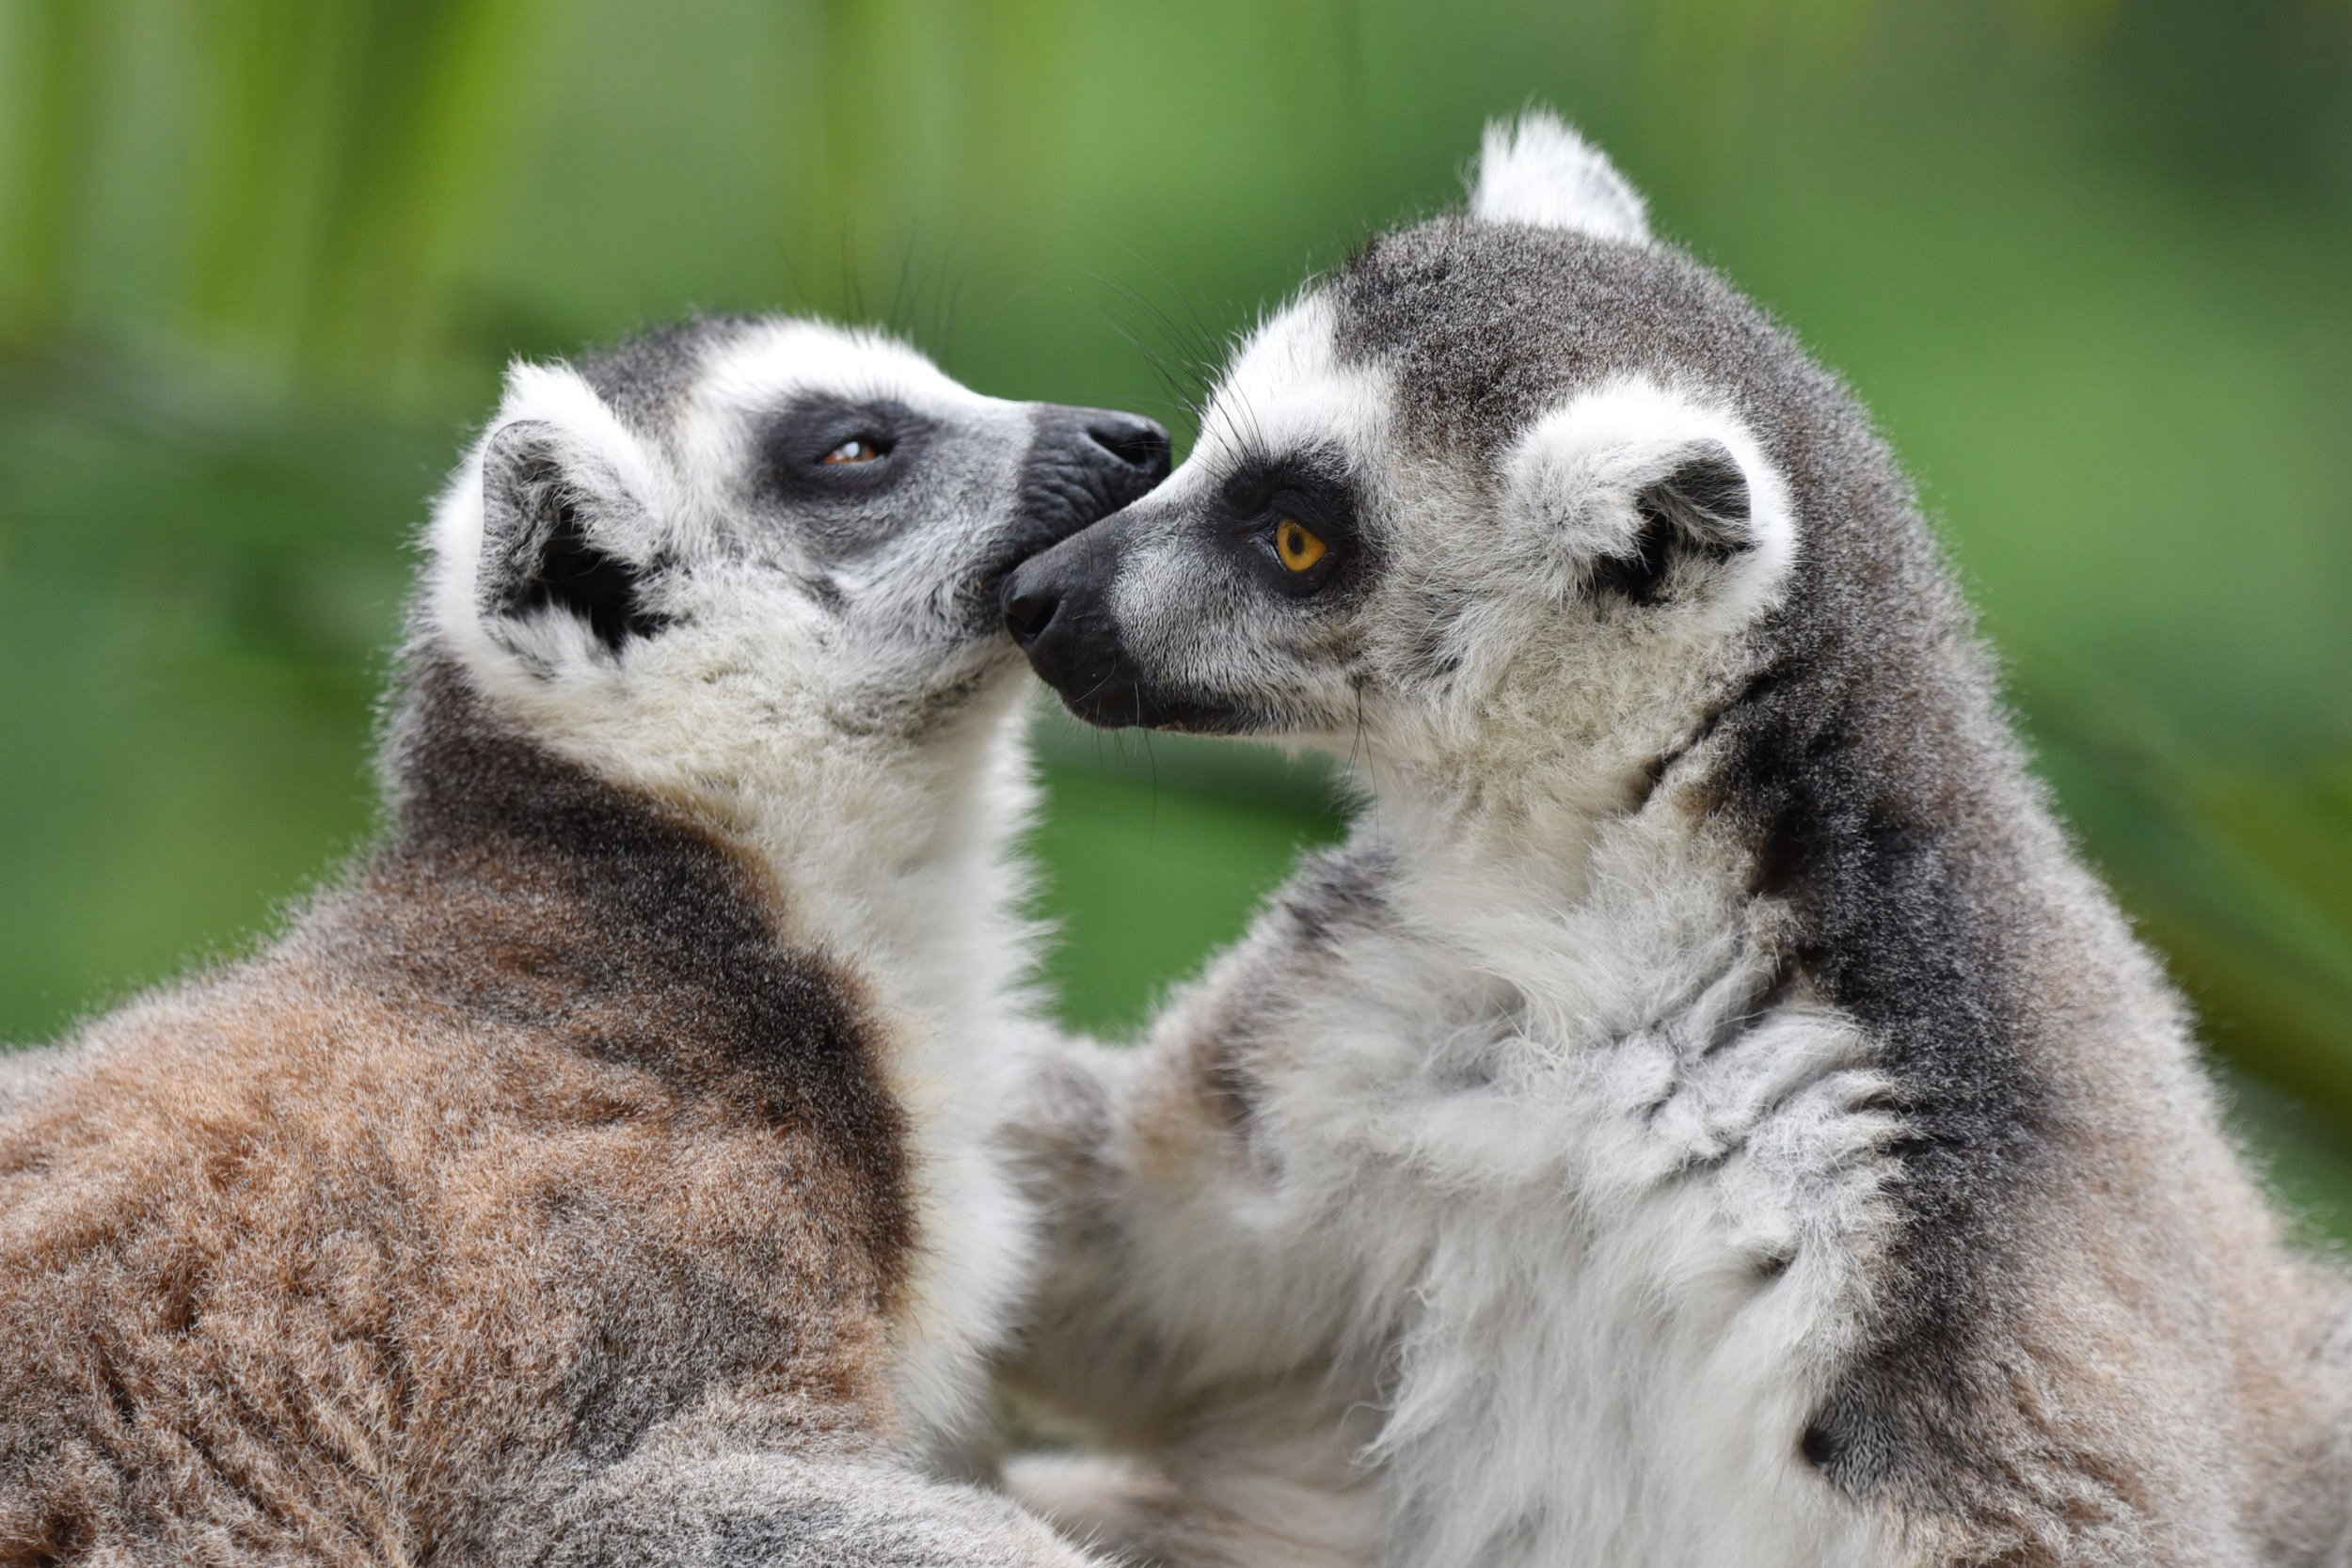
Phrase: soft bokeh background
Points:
(2090, 262)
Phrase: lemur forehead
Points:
(771, 362)
(653, 383)
(646, 379)
(1485, 326)
(1290, 389)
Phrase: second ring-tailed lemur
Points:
(600, 1174)
(1706, 1114)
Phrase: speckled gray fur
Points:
(1706, 971)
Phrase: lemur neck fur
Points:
(1505, 825)
(893, 851)
(886, 850)
(883, 844)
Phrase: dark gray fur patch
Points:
(682, 931)
(643, 379)
(1867, 766)
(1488, 326)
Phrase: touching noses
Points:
(1050, 602)
(1084, 465)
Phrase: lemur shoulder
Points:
(597, 1174)
(1707, 1112)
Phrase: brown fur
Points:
(526, 1149)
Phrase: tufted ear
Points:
(551, 518)
(1700, 506)
(1541, 173)
(1638, 495)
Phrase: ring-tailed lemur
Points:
(1706, 1114)
(599, 1175)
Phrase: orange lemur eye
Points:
(856, 450)
(1299, 548)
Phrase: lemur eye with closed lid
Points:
(1297, 544)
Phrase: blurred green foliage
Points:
(261, 262)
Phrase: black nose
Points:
(1058, 607)
(1029, 606)
(1084, 463)
(1134, 441)
(1054, 601)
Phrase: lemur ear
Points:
(1637, 494)
(548, 512)
(1541, 173)
(1701, 507)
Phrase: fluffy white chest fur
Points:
(1587, 1250)
(949, 959)
(1560, 1193)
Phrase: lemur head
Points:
(1517, 486)
(740, 536)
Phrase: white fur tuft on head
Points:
(1541, 173)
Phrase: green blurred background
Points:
(261, 262)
